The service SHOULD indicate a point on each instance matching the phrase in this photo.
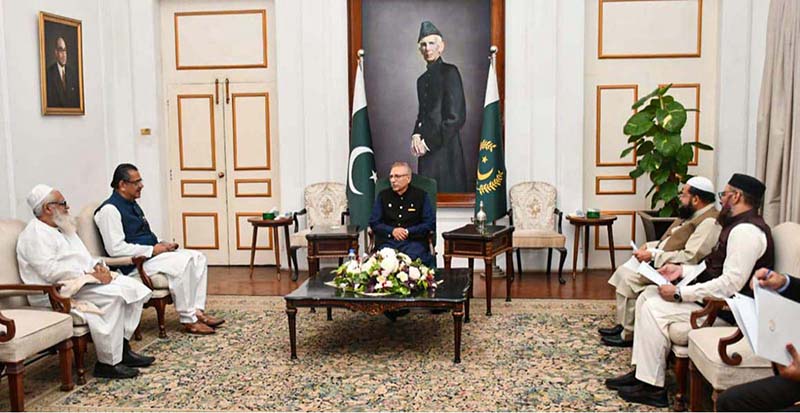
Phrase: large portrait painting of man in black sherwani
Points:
(61, 61)
(425, 68)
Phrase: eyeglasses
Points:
(723, 193)
(62, 203)
(136, 182)
(397, 176)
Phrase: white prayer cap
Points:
(702, 183)
(37, 195)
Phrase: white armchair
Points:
(325, 204)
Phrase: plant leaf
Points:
(660, 176)
(666, 211)
(672, 118)
(645, 148)
(643, 99)
(668, 191)
(636, 173)
(685, 154)
(626, 151)
(702, 146)
(639, 123)
(662, 90)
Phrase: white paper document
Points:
(651, 274)
(695, 271)
(769, 323)
(632, 264)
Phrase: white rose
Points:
(389, 264)
(404, 258)
(388, 253)
(380, 279)
(402, 276)
(414, 274)
(387, 284)
(353, 267)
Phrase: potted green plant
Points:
(654, 133)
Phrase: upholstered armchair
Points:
(24, 330)
(90, 235)
(537, 222)
(325, 204)
(719, 355)
(422, 182)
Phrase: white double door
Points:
(221, 113)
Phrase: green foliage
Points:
(654, 133)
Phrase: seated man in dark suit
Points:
(776, 393)
(403, 216)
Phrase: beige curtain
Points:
(778, 129)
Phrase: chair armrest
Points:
(57, 301)
(345, 213)
(370, 240)
(710, 311)
(11, 329)
(722, 348)
(431, 244)
(510, 214)
(294, 218)
(139, 263)
(560, 215)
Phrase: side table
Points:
(274, 224)
(585, 223)
(330, 242)
(467, 242)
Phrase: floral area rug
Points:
(530, 355)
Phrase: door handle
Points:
(221, 174)
(216, 91)
(227, 91)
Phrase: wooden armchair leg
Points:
(519, 264)
(14, 371)
(79, 349)
(682, 376)
(296, 273)
(695, 388)
(65, 362)
(562, 252)
(161, 306)
(549, 258)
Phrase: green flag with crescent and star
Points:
(490, 186)
(361, 175)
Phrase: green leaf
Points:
(648, 163)
(702, 146)
(693, 110)
(636, 173)
(672, 118)
(633, 139)
(666, 211)
(626, 151)
(685, 154)
(639, 123)
(667, 99)
(668, 191)
(645, 148)
(643, 99)
(649, 191)
(662, 90)
(660, 176)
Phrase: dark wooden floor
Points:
(589, 285)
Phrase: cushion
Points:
(9, 232)
(324, 203)
(298, 239)
(787, 243)
(35, 331)
(537, 238)
(88, 232)
(679, 332)
(680, 352)
(703, 353)
(532, 205)
(160, 281)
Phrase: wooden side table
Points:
(330, 242)
(274, 224)
(585, 223)
(467, 242)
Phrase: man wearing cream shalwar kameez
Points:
(49, 255)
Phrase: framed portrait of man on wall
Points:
(61, 65)
(425, 69)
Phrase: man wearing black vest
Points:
(780, 392)
(126, 232)
(744, 245)
(402, 217)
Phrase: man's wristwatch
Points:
(677, 296)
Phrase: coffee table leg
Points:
(330, 314)
(291, 312)
(586, 248)
(575, 244)
(458, 313)
(509, 273)
(288, 248)
(276, 246)
(489, 262)
(471, 263)
(611, 247)
(253, 250)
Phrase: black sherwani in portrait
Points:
(442, 112)
(66, 94)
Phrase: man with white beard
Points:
(126, 232)
(49, 251)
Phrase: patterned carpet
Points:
(530, 355)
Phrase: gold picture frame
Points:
(61, 65)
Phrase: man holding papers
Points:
(779, 392)
(687, 241)
(745, 243)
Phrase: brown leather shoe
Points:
(198, 328)
(210, 321)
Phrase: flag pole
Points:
(360, 53)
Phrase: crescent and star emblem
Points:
(484, 176)
(354, 154)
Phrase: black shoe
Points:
(133, 359)
(394, 315)
(646, 394)
(627, 379)
(610, 331)
(616, 341)
(119, 371)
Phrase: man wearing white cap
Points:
(49, 251)
(687, 241)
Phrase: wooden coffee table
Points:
(330, 242)
(450, 295)
(274, 224)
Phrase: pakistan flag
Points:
(361, 176)
(491, 184)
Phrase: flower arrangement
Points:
(386, 272)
